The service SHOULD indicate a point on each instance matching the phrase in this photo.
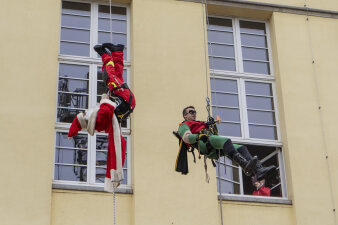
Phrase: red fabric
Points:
(104, 123)
(115, 76)
(74, 128)
(196, 126)
(263, 191)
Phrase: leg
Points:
(118, 60)
(260, 171)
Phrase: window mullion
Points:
(244, 110)
(241, 180)
(282, 174)
(267, 28)
(279, 138)
(128, 36)
(94, 29)
(238, 50)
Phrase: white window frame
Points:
(93, 62)
(240, 76)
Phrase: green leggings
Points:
(217, 143)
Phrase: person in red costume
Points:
(261, 190)
(112, 69)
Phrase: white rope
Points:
(114, 206)
(206, 17)
(219, 185)
(321, 117)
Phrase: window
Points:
(243, 95)
(81, 161)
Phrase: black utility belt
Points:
(124, 85)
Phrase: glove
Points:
(202, 137)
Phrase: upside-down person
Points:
(197, 134)
(112, 69)
(106, 117)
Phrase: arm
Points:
(186, 135)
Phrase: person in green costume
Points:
(197, 134)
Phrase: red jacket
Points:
(263, 191)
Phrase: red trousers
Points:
(114, 66)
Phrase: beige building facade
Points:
(174, 57)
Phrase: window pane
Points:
(63, 141)
(125, 174)
(222, 64)
(117, 12)
(224, 99)
(253, 40)
(255, 54)
(258, 88)
(264, 103)
(117, 25)
(227, 187)
(252, 27)
(71, 156)
(223, 85)
(100, 174)
(75, 21)
(104, 37)
(256, 67)
(220, 37)
(75, 71)
(78, 49)
(70, 85)
(229, 173)
(221, 50)
(220, 24)
(66, 115)
(70, 173)
(229, 129)
(75, 35)
(261, 117)
(76, 8)
(262, 132)
(226, 114)
(73, 100)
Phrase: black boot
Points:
(260, 171)
(113, 48)
(263, 172)
(247, 165)
(100, 49)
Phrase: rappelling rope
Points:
(111, 41)
(114, 206)
(205, 16)
(320, 115)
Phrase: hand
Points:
(202, 137)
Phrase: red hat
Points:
(78, 124)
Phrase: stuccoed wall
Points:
(168, 74)
(300, 83)
(80, 207)
(28, 61)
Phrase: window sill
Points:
(256, 199)
(122, 190)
